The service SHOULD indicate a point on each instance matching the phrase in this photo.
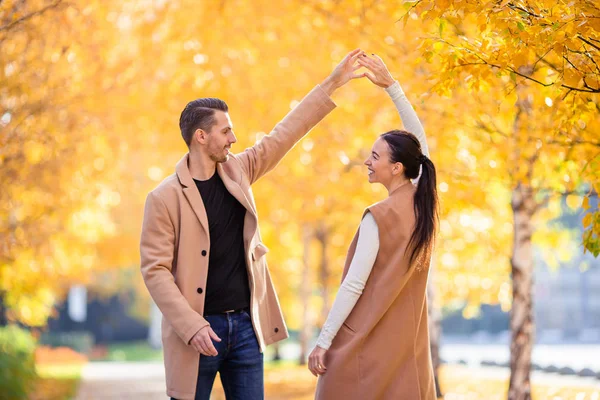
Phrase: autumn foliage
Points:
(91, 91)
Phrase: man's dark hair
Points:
(199, 114)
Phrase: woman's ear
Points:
(398, 168)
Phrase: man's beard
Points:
(219, 158)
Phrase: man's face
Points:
(220, 138)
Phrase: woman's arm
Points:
(381, 76)
(259, 159)
(408, 115)
(354, 283)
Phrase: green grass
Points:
(132, 351)
(141, 351)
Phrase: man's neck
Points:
(201, 167)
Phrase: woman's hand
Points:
(316, 361)
(378, 72)
(343, 72)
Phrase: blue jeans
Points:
(239, 362)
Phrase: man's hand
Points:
(202, 341)
(343, 72)
(316, 361)
(378, 72)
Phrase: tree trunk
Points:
(322, 236)
(3, 319)
(521, 315)
(305, 329)
(435, 331)
(524, 207)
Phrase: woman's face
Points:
(380, 168)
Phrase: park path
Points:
(146, 381)
(122, 380)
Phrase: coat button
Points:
(199, 290)
(276, 330)
(204, 253)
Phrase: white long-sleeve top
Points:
(408, 115)
(367, 244)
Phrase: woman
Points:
(375, 342)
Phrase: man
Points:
(201, 253)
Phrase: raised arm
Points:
(266, 154)
(408, 115)
(380, 76)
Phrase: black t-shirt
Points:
(227, 286)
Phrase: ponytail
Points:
(426, 211)
(406, 149)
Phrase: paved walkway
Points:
(146, 380)
(115, 381)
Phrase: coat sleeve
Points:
(266, 153)
(157, 249)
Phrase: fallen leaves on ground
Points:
(291, 382)
(58, 355)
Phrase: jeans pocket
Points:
(219, 325)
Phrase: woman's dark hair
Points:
(406, 149)
(199, 114)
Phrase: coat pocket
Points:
(259, 251)
(348, 328)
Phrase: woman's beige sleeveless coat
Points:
(382, 349)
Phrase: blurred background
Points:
(509, 95)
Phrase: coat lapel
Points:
(235, 190)
(191, 192)
(251, 219)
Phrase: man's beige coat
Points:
(175, 243)
(381, 352)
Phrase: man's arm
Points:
(266, 154)
(268, 151)
(157, 247)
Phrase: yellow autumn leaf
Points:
(34, 152)
(573, 201)
(443, 4)
(587, 220)
(521, 58)
(595, 24)
(571, 77)
(586, 203)
(559, 48)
